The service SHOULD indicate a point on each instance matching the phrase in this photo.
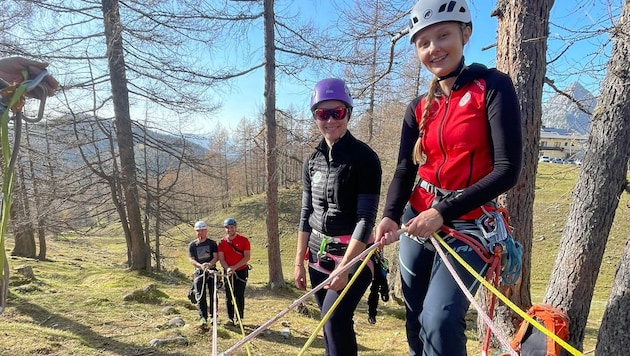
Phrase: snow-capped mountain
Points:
(561, 113)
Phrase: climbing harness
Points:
(301, 300)
(13, 100)
(203, 274)
(437, 239)
(499, 241)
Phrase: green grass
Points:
(76, 303)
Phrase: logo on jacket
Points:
(317, 177)
(465, 99)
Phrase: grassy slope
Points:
(77, 307)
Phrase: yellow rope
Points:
(238, 315)
(508, 302)
(337, 301)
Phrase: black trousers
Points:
(204, 290)
(238, 281)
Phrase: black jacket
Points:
(341, 189)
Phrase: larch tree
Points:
(613, 337)
(601, 181)
(523, 28)
(124, 135)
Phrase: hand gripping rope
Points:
(300, 300)
(435, 238)
(13, 99)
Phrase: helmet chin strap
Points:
(455, 72)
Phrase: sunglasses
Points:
(335, 114)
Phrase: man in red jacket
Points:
(234, 255)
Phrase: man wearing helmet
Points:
(463, 139)
(341, 187)
(203, 254)
(234, 254)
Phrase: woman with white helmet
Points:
(463, 140)
(341, 187)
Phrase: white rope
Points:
(299, 301)
(470, 297)
(214, 314)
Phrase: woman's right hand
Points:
(299, 277)
(387, 231)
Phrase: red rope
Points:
(493, 274)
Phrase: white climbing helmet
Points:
(201, 225)
(429, 12)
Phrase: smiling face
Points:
(440, 47)
(332, 129)
(230, 230)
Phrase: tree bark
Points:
(596, 195)
(613, 338)
(523, 27)
(124, 135)
(21, 218)
(276, 278)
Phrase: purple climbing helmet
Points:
(331, 89)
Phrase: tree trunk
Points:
(21, 219)
(613, 338)
(39, 210)
(523, 28)
(276, 278)
(597, 192)
(120, 97)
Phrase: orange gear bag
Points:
(529, 341)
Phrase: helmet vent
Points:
(451, 6)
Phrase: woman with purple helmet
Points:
(341, 187)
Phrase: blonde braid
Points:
(434, 89)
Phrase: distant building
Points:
(561, 144)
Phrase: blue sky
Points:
(245, 98)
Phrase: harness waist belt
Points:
(431, 188)
(344, 239)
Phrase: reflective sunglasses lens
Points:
(335, 114)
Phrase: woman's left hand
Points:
(338, 282)
(425, 223)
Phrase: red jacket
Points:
(234, 251)
(472, 142)
(455, 142)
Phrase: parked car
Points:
(544, 159)
(557, 160)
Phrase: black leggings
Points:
(339, 336)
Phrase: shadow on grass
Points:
(88, 337)
(295, 338)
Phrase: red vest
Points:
(456, 143)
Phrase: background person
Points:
(203, 254)
(234, 254)
(342, 181)
(463, 139)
